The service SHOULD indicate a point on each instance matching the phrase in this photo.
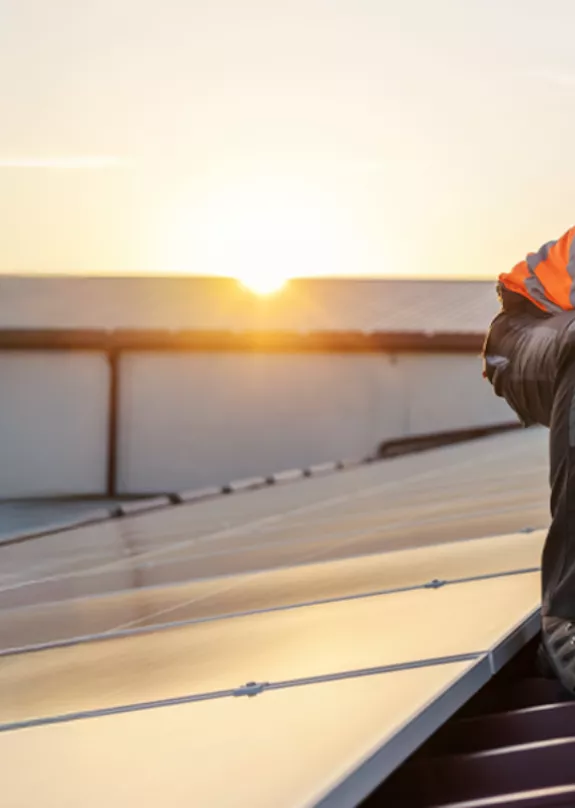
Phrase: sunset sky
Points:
(369, 137)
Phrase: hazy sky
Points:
(402, 137)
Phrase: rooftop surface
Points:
(373, 305)
(367, 606)
(23, 516)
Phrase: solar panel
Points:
(293, 644)
(284, 749)
(295, 669)
(274, 589)
(446, 495)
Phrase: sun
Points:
(262, 232)
(263, 283)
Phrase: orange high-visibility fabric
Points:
(546, 278)
(515, 281)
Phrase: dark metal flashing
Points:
(433, 440)
(121, 340)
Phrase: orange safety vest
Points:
(547, 277)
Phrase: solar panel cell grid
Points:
(356, 658)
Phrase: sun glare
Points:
(261, 283)
(262, 234)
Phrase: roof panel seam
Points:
(150, 629)
(251, 689)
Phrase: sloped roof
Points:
(367, 305)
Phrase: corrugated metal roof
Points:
(365, 305)
(511, 746)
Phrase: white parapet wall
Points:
(191, 420)
(188, 420)
(53, 423)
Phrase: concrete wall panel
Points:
(53, 423)
(447, 391)
(192, 420)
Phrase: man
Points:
(529, 358)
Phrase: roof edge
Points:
(387, 450)
(276, 341)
